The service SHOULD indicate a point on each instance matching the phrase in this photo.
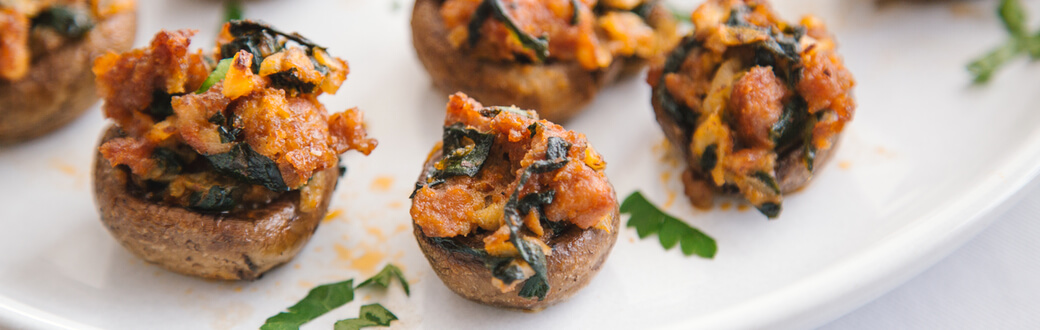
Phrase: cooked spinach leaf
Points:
(786, 129)
(496, 9)
(290, 80)
(710, 158)
(770, 209)
(682, 115)
(250, 166)
(576, 9)
(384, 277)
(168, 161)
(217, 75)
(808, 148)
(318, 301)
(768, 180)
(161, 106)
(217, 199)
(648, 220)
(556, 157)
(465, 151)
(371, 315)
(68, 22)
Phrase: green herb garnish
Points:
(384, 277)
(371, 315)
(217, 75)
(495, 8)
(318, 301)
(648, 219)
(327, 297)
(232, 10)
(1013, 16)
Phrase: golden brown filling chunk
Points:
(591, 32)
(748, 89)
(253, 121)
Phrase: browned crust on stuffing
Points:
(557, 90)
(60, 85)
(577, 255)
(240, 246)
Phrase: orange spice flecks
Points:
(668, 202)
(333, 215)
(376, 233)
(743, 207)
(845, 164)
(368, 261)
(382, 183)
(725, 206)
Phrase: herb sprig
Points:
(327, 297)
(648, 219)
(1013, 17)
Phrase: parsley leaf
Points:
(1013, 16)
(648, 219)
(385, 276)
(232, 10)
(217, 75)
(370, 316)
(318, 301)
(327, 297)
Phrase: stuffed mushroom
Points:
(548, 55)
(754, 103)
(223, 166)
(513, 211)
(46, 48)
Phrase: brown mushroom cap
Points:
(60, 85)
(235, 246)
(577, 255)
(558, 90)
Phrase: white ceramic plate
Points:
(925, 163)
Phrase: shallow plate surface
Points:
(925, 163)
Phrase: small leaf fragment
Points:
(370, 316)
(216, 76)
(384, 277)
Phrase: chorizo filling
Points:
(515, 181)
(591, 32)
(32, 28)
(229, 132)
(748, 89)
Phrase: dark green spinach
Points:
(68, 22)
(495, 8)
(217, 199)
(250, 166)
